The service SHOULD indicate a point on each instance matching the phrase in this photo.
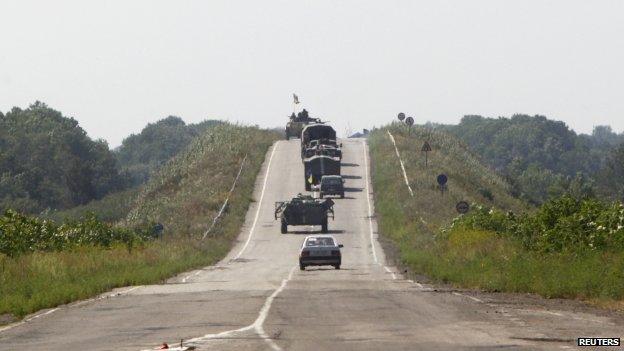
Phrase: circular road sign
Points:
(442, 179)
(462, 207)
(401, 116)
(409, 121)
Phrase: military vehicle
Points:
(325, 150)
(298, 122)
(331, 185)
(316, 167)
(304, 210)
(317, 131)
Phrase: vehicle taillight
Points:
(305, 253)
(335, 252)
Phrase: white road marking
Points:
(391, 272)
(185, 279)
(402, 166)
(24, 321)
(468, 296)
(370, 214)
(11, 326)
(257, 325)
(253, 226)
(370, 211)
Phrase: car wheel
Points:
(337, 266)
(284, 227)
(302, 267)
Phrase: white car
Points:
(320, 250)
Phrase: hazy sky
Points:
(117, 65)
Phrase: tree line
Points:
(47, 161)
(543, 158)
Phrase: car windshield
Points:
(320, 242)
(332, 181)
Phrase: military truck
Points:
(304, 210)
(317, 131)
(322, 149)
(316, 167)
(297, 123)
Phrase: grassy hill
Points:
(184, 195)
(500, 245)
(469, 179)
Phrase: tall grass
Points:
(469, 256)
(184, 196)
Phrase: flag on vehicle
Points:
(295, 98)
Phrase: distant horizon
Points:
(117, 66)
(285, 120)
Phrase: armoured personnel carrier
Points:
(304, 210)
(297, 123)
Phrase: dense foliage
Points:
(562, 224)
(542, 158)
(47, 160)
(21, 234)
(141, 154)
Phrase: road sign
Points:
(442, 179)
(462, 207)
(401, 116)
(409, 121)
(426, 147)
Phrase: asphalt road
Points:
(257, 299)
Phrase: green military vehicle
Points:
(315, 167)
(297, 123)
(304, 210)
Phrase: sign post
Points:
(462, 207)
(409, 121)
(426, 148)
(442, 180)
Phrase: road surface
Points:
(258, 299)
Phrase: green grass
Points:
(184, 196)
(111, 208)
(467, 257)
(47, 279)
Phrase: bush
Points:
(563, 224)
(20, 234)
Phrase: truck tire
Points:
(337, 266)
(324, 226)
(302, 267)
(287, 137)
(284, 228)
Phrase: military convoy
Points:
(304, 210)
(321, 156)
(297, 123)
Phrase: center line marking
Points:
(257, 325)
